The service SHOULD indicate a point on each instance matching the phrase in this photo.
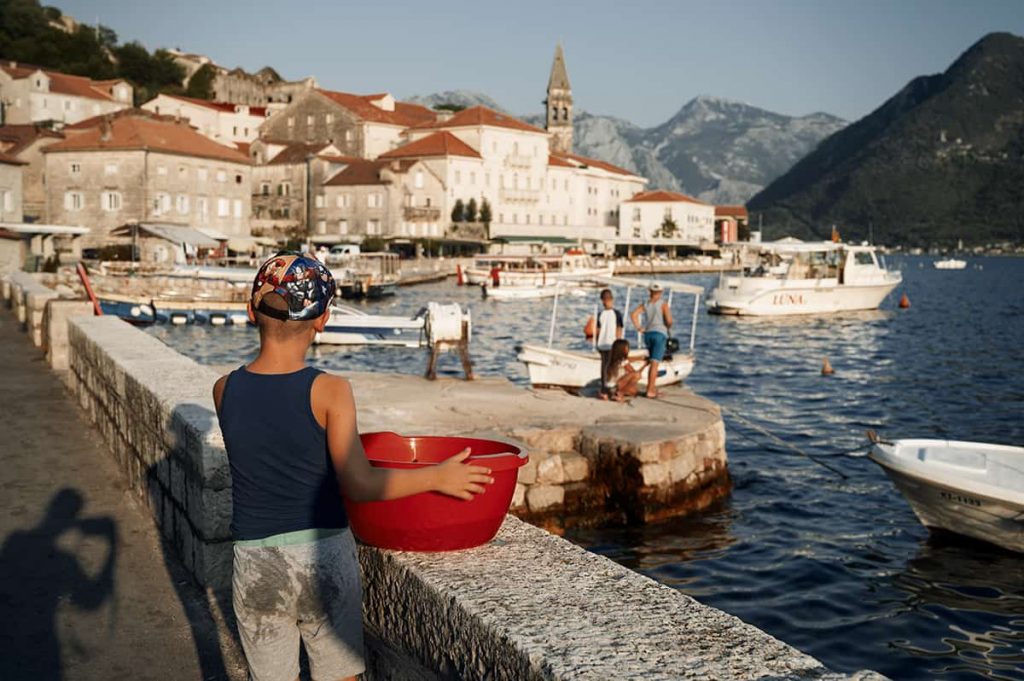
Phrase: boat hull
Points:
(347, 326)
(514, 278)
(519, 292)
(954, 496)
(358, 291)
(554, 368)
(820, 297)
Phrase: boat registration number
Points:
(960, 499)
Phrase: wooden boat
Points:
(551, 367)
(368, 276)
(950, 264)
(973, 489)
(177, 312)
(533, 270)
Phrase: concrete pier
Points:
(591, 462)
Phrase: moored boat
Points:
(950, 264)
(533, 270)
(349, 326)
(177, 312)
(573, 370)
(368, 276)
(973, 489)
(794, 278)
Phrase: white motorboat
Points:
(350, 326)
(794, 277)
(950, 264)
(533, 270)
(518, 292)
(969, 488)
(551, 367)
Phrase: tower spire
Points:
(559, 105)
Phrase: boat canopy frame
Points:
(629, 283)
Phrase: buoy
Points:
(904, 302)
(458, 275)
(826, 368)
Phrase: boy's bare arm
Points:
(362, 482)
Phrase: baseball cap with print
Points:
(301, 280)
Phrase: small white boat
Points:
(793, 277)
(950, 264)
(349, 326)
(969, 488)
(551, 367)
(518, 292)
(533, 270)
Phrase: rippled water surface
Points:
(839, 568)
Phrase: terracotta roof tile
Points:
(405, 114)
(595, 163)
(226, 107)
(481, 115)
(65, 83)
(11, 160)
(296, 152)
(16, 138)
(663, 196)
(731, 211)
(151, 133)
(438, 144)
(362, 172)
(560, 162)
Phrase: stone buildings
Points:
(222, 122)
(26, 143)
(363, 126)
(665, 218)
(263, 88)
(136, 167)
(732, 223)
(282, 182)
(10, 188)
(29, 94)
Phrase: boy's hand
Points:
(461, 480)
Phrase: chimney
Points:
(444, 115)
(105, 129)
(396, 166)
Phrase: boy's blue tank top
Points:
(282, 476)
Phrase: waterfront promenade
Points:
(64, 500)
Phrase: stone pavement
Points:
(87, 588)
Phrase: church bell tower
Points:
(559, 106)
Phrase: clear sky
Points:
(636, 59)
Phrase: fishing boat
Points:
(367, 276)
(950, 264)
(572, 370)
(968, 488)
(145, 312)
(533, 270)
(792, 277)
(350, 326)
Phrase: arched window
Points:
(565, 113)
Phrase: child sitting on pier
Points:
(294, 450)
(622, 379)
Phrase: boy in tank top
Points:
(294, 450)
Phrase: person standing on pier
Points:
(609, 329)
(294, 450)
(657, 320)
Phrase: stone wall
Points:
(27, 295)
(601, 474)
(527, 606)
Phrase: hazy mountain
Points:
(463, 98)
(942, 159)
(718, 150)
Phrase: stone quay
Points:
(528, 605)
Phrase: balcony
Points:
(518, 161)
(411, 214)
(520, 195)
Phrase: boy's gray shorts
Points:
(309, 592)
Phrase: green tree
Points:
(200, 85)
(454, 108)
(485, 212)
(471, 214)
(459, 211)
(668, 228)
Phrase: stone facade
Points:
(558, 106)
(312, 117)
(642, 220)
(11, 177)
(29, 94)
(26, 143)
(150, 187)
(399, 198)
(265, 87)
(224, 123)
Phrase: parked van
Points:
(340, 252)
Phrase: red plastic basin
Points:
(433, 521)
